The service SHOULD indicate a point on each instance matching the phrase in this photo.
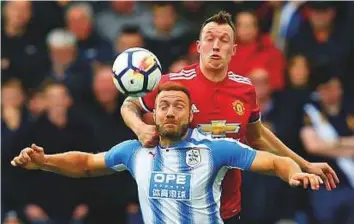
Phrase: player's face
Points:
(216, 46)
(172, 114)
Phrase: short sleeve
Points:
(118, 157)
(148, 101)
(233, 154)
(255, 110)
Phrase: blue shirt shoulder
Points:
(119, 156)
(227, 152)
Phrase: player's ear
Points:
(154, 115)
(198, 46)
(190, 115)
(234, 47)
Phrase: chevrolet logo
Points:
(219, 129)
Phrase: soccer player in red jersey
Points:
(224, 104)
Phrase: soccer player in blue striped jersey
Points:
(179, 181)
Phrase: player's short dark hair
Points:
(175, 86)
(221, 17)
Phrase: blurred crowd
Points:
(57, 92)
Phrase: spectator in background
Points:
(23, 50)
(129, 36)
(48, 15)
(66, 66)
(255, 50)
(328, 133)
(281, 19)
(60, 126)
(179, 64)
(323, 40)
(195, 12)
(36, 103)
(120, 13)
(272, 200)
(298, 72)
(92, 47)
(103, 117)
(15, 122)
(165, 32)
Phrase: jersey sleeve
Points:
(233, 154)
(148, 101)
(118, 157)
(255, 110)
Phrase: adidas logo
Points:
(194, 109)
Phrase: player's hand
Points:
(30, 158)
(304, 180)
(327, 174)
(148, 135)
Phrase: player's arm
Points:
(73, 164)
(286, 168)
(262, 138)
(133, 115)
(233, 154)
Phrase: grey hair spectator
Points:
(61, 38)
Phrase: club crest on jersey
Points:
(193, 157)
(219, 128)
(239, 107)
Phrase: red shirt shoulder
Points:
(184, 77)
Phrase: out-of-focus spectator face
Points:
(37, 103)
(123, 7)
(12, 95)
(62, 47)
(193, 6)
(18, 13)
(103, 86)
(321, 19)
(260, 79)
(246, 27)
(216, 45)
(62, 55)
(299, 71)
(128, 40)
(164, 17)
(79, 23)
(178, 65)
(331, 92)
(57, 97)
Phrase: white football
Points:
(136, 71)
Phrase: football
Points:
(136, 71)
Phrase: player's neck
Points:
(214, 75)
(166, 142)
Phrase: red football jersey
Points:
(220, 109)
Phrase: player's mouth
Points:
(215, 57)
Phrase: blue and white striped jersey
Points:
(182, 183)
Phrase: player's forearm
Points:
(273, 144)
(132, 114)
(72, 164)
(284, 167)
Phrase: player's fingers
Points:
(331, 180)
(17, 161)
(333, 173)
(305, 181)
(319, 180)
(26, 153)
(13, 163)
(314, 182)
(295, 183)
(37, 148)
